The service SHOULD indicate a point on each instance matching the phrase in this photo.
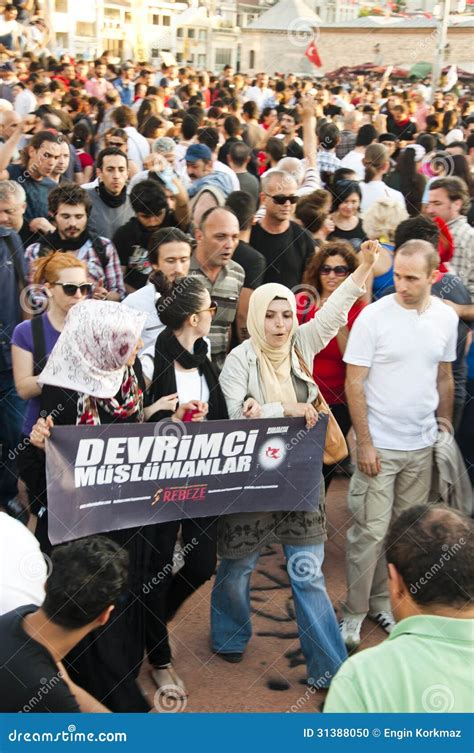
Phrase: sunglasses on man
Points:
(280, 198)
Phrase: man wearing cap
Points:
(199, 166)
(125, 85)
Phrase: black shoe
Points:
(233, 658)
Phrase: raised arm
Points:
(314, 335)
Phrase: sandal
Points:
(169, 683)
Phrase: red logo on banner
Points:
(273, 452)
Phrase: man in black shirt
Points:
(251, 260)
(286, 246)
(87, 578)
(131, 240)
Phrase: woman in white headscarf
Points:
(93, 377)
(263, 378)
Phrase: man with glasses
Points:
(286, 246)
(69, 206)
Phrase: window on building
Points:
(223, 57)
(155, 53)
(155, 19)
(252, 59)
(84, 29)
(166, 21)
(62, 39)
(179, 33)
(128, 18)
(179, 57)
(201, 61)
(61, 6)
(202, 35)
(191, 33)
(239, 20)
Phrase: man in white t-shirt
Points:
(399, 388)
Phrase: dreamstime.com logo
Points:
(66, 736)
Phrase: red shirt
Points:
(329, 370)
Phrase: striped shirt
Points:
(227, 286)
(111, 273)
(463, 260)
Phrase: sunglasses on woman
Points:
(70, 289)
(280, 198)
(339, 271)
(118, 144)
(212, 308)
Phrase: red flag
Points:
(313, 55)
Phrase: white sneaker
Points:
(350, 631)
(385, 620)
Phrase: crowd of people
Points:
(182, 246)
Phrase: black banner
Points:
(105, 478)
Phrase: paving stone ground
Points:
(272, 659)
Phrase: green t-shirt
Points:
(425, 665)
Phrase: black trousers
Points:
(340, 412)
(164, 592)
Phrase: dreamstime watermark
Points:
(178, 288)
(178, 560)
(170, 427)
(301, 31)
(43, 690)
(438, 164)
(33, 299)
(169, 699)
(448, 553)
(313, 687)
(307, 299)
(439, 431)
(437, 699)
(15, 451)
(303, 566)
(35, 567)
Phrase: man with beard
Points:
(69, 208)
(111, 207)
(289, 121)
(131, 240)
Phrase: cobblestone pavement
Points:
(272, 675)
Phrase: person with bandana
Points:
(93, 377)
(264, 378)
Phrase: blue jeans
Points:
(231, 626)
(12, 409)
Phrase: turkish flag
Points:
(313, 55)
